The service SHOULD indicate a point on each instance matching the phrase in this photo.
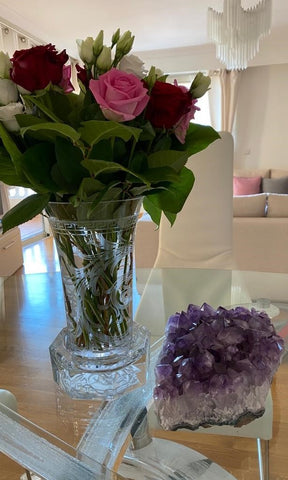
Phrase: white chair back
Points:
(201, 236)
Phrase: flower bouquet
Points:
(91, 157)
(127, 133)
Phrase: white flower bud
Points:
(125, 43)
(7, 116)
(200, 85)
(133, 64)
(115, 37)
(98, 43)
(85, 50)
(104, 61)
(8, 91)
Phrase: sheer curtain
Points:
(214, 98)
(4, 197)
(223, 97)
(230, 80)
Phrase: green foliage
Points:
(8, 171)
(36, 165)
(93, 131)
(10, 146)
(50, 131)
(199, 137)
(92, 163)
(171, 199)
(25, 210)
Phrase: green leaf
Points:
(97, 167)
(25, 210)
(57, 177)
(160, 175)
(89, 187)
(36, 164)
(67, 106)
(163, 142)
(174, 196)
(147, 133)
(152, 210)
(8, 173)
(102, 150)
(69, 158)
(25, 120)
(91, 112)
(198, 138)
(164, 158)
(138, 163)
(93, 131)
(10, 145)
(138, 191)
(170, 216)
(49, 131)
(40, 103)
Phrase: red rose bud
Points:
(167, 104)
(34, 68)
(82, 75)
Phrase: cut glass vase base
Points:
(126, 374)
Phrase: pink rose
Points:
(120, 95)
(66, 79)
(182, 125)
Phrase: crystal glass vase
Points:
(94, 356)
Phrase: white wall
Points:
(260, 127)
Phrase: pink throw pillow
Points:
(246, 185)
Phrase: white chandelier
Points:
(237, 32)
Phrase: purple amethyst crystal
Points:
(215, 367)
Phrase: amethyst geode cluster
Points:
(215, 367)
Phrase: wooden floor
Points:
(237, 455)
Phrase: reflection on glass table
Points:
(97, 435)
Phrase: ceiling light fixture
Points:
(237, 32)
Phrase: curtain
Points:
(214, 99)
(229, 80)
(4, 198)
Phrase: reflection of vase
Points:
(96, 252)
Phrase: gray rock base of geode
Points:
(206, 410)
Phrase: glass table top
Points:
(91, 432)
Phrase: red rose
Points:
(167, 104)
(34, 68)
(82, 75)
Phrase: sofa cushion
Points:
(277, 173)
(249, 205)
(277, 205)
(246, 185)
(275, 185)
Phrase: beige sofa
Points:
(260, 224)
(260, 228)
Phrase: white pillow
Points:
(249, 205)
(277, 173)
(277, 205)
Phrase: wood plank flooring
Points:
(237, 455)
